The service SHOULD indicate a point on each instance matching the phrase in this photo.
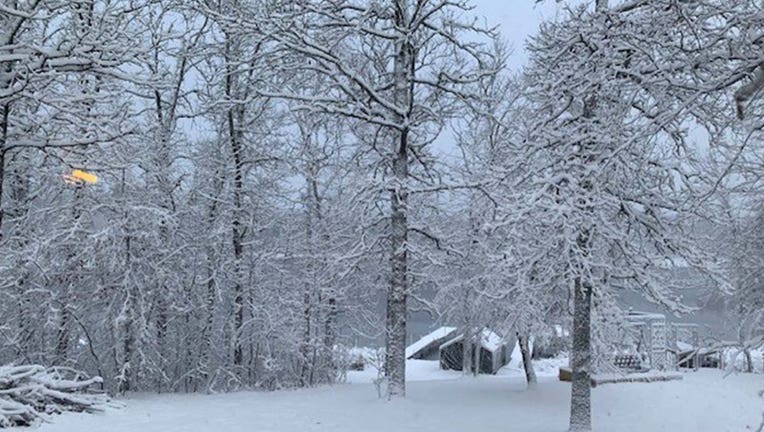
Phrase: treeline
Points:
(270, 171)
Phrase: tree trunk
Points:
(308, 344)
(65, 296)
(477, 347)
(467, 351)
(306, 338)
(580, 398)
(530, 374)
(581, 350)
(395, 365)
(236, 115)
(209, 322)
(330, 336)
(128, 314)
(127, 333)
(207, 354)
(4, 120)
(748, 360)
(62, 334)
(403, 71)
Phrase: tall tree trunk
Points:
(306, 337)
(127, 332)
(330, 336)
(205, 360)
(235, 119)
(161, 332)
(525, 352)
(207, 354)
(581, 359)
(748, 360)
(62, 333)
(395, 365)
(65, 296)
(581, 350)
(477, 348)
(306, 345)
(467, 350)
(126, 320)
(4, 125)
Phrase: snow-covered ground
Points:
(444, 401)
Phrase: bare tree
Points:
(395, 68)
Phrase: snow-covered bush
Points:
(31, 392)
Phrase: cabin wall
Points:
(451, 357)
(430, 353)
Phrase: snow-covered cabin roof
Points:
(489, 340)
(636, 316)
(684, 346)
(427, 339)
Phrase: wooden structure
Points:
(690, 357)
(428, 346)
(644, 377)
(492, 357)
(650, 340)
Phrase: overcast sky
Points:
(517, 19)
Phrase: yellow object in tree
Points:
(79, 177)
(85, 176)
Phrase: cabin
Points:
(428, 346)
(493, 352)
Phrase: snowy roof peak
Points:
(427, 339)
(489, 340)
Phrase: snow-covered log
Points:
(31, 392)
(647, 377)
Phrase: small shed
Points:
(493, 352)
(428, 346)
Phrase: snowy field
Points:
(443, 401)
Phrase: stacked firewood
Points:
(30, 393)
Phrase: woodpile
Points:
(29, 393)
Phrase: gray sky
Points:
(517, 19)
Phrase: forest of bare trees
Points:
(277, 178)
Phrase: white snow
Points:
(684, 346)
(428, 339)
(543, 368)
(489, 340)
(416, 370)
(448, 402)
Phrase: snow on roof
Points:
(490, 340)
(633, 315)
(428, 339)
(452, 341)
(683, 346)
